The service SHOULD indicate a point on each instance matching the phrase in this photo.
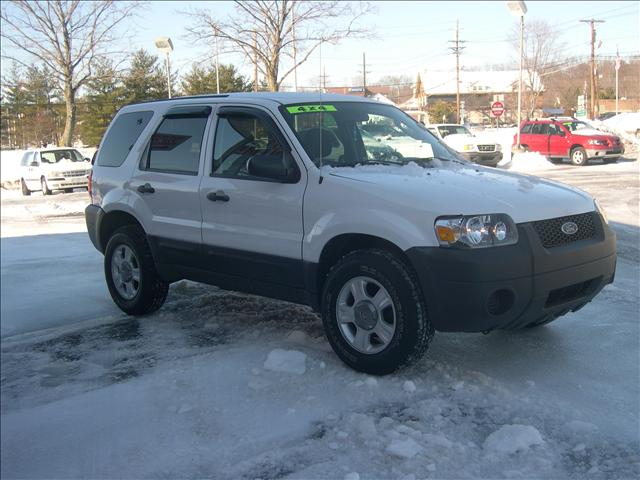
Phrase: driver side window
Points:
(241, 138)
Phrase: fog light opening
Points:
(500, 302)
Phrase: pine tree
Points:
(202, 81)
(145, 79)
(105, 95)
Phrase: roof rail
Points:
(185, 97)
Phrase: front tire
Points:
(374, 313)
(578, 156)
(44, 186)
(25, 190)
(130, 272)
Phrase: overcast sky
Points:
(408, 37)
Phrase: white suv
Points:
(49, 169)
(478, 150)
(343, 204)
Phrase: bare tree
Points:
(269, 30)
(542, 53)
(68, 36)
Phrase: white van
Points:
(343, 204)
(49, 169)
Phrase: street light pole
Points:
(519, 8)
(520, 80)
(165, 45)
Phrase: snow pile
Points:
(287, 361)
(407, 448)
(627, 127)
(513, 438)
(530, 162)
(10, 167)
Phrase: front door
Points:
(166, 186)
(558, 144)
(252, 225)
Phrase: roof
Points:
(282, 98)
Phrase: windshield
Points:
(55, 156)
(345, 134)
(453, 130)
(576, 125)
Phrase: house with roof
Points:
(478, 90)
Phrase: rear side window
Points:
(120, 138)
(176, 145)
(26, 159)
(539, 128)
(527, 128)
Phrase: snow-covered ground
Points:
(223, 385)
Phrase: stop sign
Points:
(497, 109)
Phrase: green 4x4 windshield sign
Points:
(310, 108)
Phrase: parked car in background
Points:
(568, 138)
(49, 169)
(467, 145)
(606, 115)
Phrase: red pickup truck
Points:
(571, 139)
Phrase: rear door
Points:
(252, 226)
(537, 140)
(166, 184)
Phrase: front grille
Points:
(551, 234)
(75, 173)
(486, 148)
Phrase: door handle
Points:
(218, 196)
(146, 188)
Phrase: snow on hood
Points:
(68, 164)
(450, 187)
(590, 132)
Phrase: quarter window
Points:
(175, 146)
(527, 128)
(121, 137)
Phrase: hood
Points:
(591, 132)
(65, 165)
(449, 188)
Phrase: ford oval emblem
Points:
(569, 228)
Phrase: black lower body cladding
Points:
(93, 216)
(475, 290)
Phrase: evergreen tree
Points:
(201, 81)
(145, 79)
(104, 97)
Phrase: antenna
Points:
(320, 179)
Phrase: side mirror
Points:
(86, 159)
(273, 168)
(34, 164)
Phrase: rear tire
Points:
(578, 156)
(126, 257)
(25, 190)
(403, 316)
(45, 187)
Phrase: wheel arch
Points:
(343, 244)
(112, 221)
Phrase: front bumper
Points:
(60, 183)
(514, 286)
(490, 159)
(605, 153)
(93, 215)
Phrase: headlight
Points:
(56, 174)
(477, 231)
(601, 211)
(468, 147)
(597, 142)
(498, 147)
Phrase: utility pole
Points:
(323, 78)
(255, 63)
(293, 34)
(594, 104)
(456, 49)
